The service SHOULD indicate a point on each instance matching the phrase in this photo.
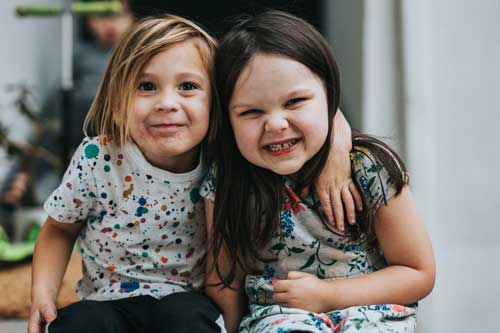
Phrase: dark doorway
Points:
(215, 15)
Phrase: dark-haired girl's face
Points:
(279, 113)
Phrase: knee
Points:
(83, 316)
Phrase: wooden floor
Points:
(15, 284)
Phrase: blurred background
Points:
(423, 75)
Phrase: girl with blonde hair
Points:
(130, 194)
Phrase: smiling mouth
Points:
(280, 147)
(167, 125)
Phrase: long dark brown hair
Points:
(248, 198)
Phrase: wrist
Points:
(42, 295)
(341, 138)
(329, 296)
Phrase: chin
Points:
(286, 170)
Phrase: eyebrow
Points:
(300, 91)
(295, 92)
(241, 105)
(194, 75)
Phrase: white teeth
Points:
(281, 146)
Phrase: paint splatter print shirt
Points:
(144, 230)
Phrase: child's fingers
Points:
(48, 313)
(280, 286)
(281, 298)
(356, 195)
(348, 201)
(35, 324)
(326, 203)
(338, 210)
(293, 275)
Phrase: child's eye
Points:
(188, 86)
(293, 101)
(251, 112)
(147, 86)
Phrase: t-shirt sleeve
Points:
(75, 197)
(208, 185)
(377, 187)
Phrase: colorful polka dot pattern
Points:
(144, 230)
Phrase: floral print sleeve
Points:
(377, 187)
(207, 189)
(75, 197)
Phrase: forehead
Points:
(181, 56)
(271, 75)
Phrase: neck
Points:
(176, 164)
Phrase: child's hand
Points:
(42, 313)
(302, 291)
(334, 185)
(336, 191)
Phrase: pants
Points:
(184, 312)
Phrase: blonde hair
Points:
(109, 113)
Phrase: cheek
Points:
(318, 121)
(141, 109)
(247, 139)
(201, 114)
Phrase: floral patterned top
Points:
(306, 242)
(144, 226)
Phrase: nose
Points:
(167, 102)
(276, 122)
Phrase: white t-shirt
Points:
(144, 230)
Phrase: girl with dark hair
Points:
(278, 84)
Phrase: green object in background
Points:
(3, 236)
(32, 233)
(15, 252)
(77, 8)
(97, 7)
(48, 10)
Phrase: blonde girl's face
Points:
(171, 108)
(279, 113)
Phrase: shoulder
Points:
(93, 152)
(377, 174)
(96, 148)
(207, 189)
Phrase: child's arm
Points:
(52, 251)
(334, 185)
(232, 300)
(408, 278)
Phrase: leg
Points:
(184, 312)
(126, 315)
(88, 317)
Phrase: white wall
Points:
(431, 80)
(453, 76)
(29, 53)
